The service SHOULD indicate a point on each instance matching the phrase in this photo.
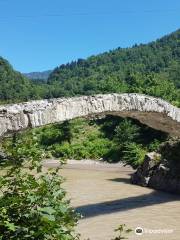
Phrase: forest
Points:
(152, 69)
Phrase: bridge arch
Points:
(151, 111)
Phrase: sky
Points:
(39, 35)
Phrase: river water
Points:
(103, 194)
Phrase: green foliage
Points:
(35, 208)
(64, 150)
(126, 132)
(14, 86)
(33, 204)
(154, 84)
(86, 141)
(133, 154)
(151, 69)
(110, 139)
(122, 231)
(56, 134)
(154, 145)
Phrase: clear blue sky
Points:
(42, 34)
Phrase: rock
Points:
(151, 111)
(157, 174)
(144, 172)
(161, 179)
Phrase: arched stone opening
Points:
(151, 111)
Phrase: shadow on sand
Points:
(125, 204)
(122, 180)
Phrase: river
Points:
(103, 194)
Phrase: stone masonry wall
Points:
(151, 111)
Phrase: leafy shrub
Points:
(122, 231)
(55, 134)
(94, 139)
(154, 146)
(33, 204)
(35, 208)
(88, 149)
(50, 136)
(62, 151)
(134, 154)
(126, 132)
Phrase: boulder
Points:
(145, 171)
(157, 174)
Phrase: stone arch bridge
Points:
(151, 111)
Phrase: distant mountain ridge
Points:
(38, 75)
(152, 69)
(14, 86)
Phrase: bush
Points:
(103, 138)
(94, 149)
(134, 154)
(35, 208)
(122, 231)
(154, 146)
(62, 151)
(126, 132)
(33, 205)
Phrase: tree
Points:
(126, 132)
